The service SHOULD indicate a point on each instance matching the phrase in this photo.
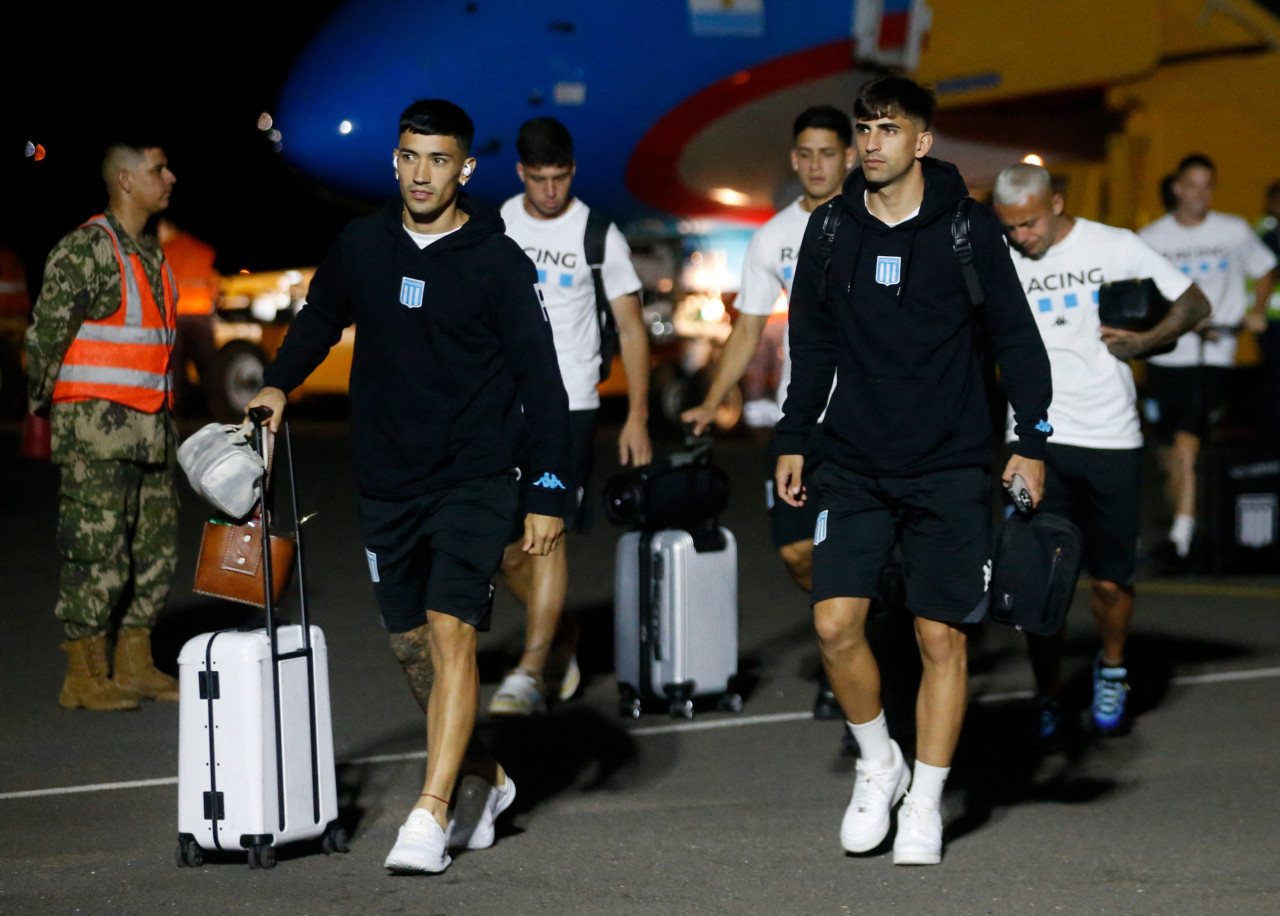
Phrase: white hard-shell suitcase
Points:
(255, 746)
(255, 735)
(676, 619)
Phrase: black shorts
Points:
(941, 521)
(582, 442)
(1185, 399)
(1098, 489)
(438, 551)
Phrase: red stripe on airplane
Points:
(653, 171)
(893, 31)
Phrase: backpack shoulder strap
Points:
(593, 238)
(827, 240)
(593, 246)
(963, 248)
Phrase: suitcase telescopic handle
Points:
(259, 415)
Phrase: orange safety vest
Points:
(191, 261)
(124, 357)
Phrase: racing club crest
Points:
(411, 292)
(888, 270)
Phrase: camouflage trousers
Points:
(117, 527)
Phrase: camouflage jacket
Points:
(82, 280)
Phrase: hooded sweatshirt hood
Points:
(943, 189)
(482, 222)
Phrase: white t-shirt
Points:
(770, 269)
(1217, 254)
(423, 239)
(1094, 401)
(556, 248)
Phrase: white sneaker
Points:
(478, 807)
(521, 694)
(420, 846)
(572, 679)
(875, 792)
(919, 839)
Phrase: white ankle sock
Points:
(927, 783)
(873, 741)
(1184, 526)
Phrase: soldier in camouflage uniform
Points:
(106, 299)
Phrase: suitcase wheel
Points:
(628, 702)
(262, 855)
(730, 702)
(334, 840)
(188, 854)
(681, 708)
(680, 699)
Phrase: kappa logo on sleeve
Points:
(373, 564)
(888, 270)
(411, 292)
(1044, 427)
(549, 481)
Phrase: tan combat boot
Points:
(135, 674)
(87, 685)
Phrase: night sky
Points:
(74, 79)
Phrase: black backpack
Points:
(593, 244)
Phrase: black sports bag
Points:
(1133, 305)
(1036, 565)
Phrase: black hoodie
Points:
(454, 371)
(898, 330)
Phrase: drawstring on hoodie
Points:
(906, 264)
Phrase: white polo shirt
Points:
(556, 248)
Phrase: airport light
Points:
(345, 128)
(1032, 159)
(729, 197)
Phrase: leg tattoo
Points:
(413, 652)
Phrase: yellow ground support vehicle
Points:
(253, 316)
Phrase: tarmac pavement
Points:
(733, 814)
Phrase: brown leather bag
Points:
(230, 563)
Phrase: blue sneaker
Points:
(1110, 699)
(1050, 726)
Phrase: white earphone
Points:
(466, 170)
(395, 164)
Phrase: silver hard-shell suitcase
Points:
(676, 619)
(255, 734)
